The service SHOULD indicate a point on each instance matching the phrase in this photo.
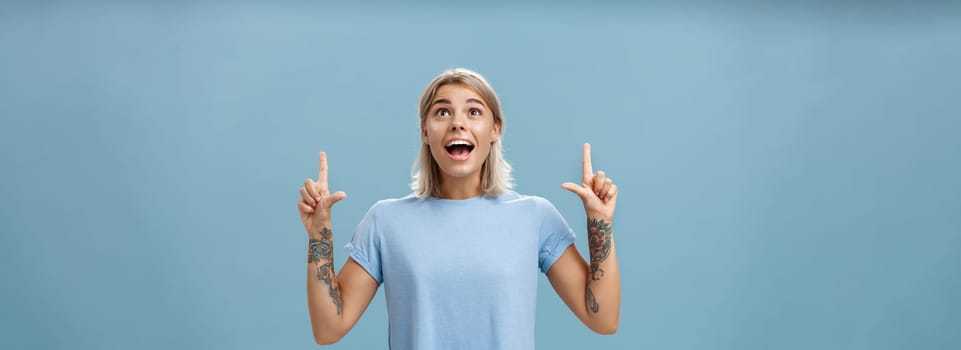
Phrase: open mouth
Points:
(459, 149)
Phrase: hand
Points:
(597, 191)
(316, 200)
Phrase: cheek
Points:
(484, 140)
(434, 133)
(483, 130)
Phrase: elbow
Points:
(605, 328)
(327, 337)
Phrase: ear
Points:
(496, 132)
(423, 136)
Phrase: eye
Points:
(442, 112)
(475, 111)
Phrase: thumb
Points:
(576, 189)
(337, 197)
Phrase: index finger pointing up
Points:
(322, 171)
(586, 164)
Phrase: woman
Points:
(458, 257)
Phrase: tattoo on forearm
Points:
(320, 250)
(325, 274)
(590, 301)
(321, 253)
(599, 240)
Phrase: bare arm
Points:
(592, 291)
(335, 301)
(596, 302)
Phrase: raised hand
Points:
(597, 191)
(316, 200)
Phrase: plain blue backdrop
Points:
(789, 172)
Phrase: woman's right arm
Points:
(335, 301)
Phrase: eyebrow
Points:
(477, 101)
(442, 100)
(446, 101)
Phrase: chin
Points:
(460, 168)
(460, 171)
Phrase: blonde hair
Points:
(495, 173)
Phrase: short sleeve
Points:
(364, 247)
(555, 235)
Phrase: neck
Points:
(460, 188)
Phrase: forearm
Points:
(323, 292)
(602, 296)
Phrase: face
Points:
(459, 129)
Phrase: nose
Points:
(458, 123)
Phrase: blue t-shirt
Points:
(460, 274)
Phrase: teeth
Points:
(458, 142)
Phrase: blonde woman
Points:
(459, 257)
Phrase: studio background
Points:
(788, 173)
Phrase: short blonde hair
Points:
(495, 173)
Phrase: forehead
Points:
(457, 92)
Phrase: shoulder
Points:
(391, 204)
(387, 211)
(537, 202)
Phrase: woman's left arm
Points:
(592, 290)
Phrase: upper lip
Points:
(458, 140)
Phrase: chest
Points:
(484, 249)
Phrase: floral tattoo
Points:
(321, 254)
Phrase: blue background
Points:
(789, 172)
